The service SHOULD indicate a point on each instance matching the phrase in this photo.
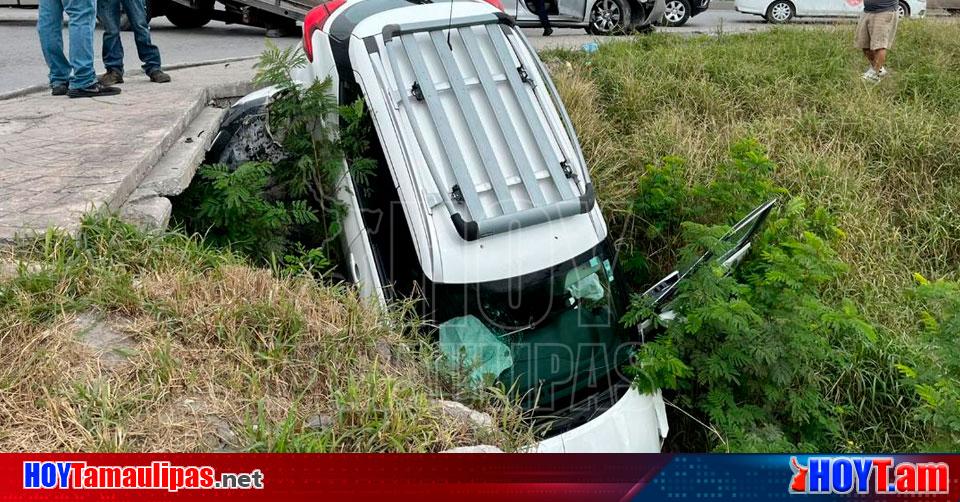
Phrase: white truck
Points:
(482, 208)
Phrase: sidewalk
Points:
(61, 157)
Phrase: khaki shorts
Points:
(876, 30)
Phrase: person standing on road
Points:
(544, 18)
(875, 33)
(76, 77)
(109, 13)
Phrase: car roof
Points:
(484, 142)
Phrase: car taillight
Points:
(314, 21)
(496, 3)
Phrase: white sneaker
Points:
(883, 72)
(870, 75)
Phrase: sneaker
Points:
(59, 89)
(870, 76)
(883, 72)
(94, 91)
(111, 77)
(547, 31)
(158, 77)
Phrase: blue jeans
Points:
(109, 13)
(78, 72)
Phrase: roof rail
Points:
(443, 104)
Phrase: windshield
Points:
(554, 334)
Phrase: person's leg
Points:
(869, 55)
(82, 14)
(149, 53)
(109, 13)
(50, 30)
(879, 59)
(544, 17)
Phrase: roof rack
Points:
(461, 110)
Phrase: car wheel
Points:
(185, 17)
(677, 13)
(903, 10)
(780, 11)
(609, 17)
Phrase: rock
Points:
(461, 412)
(319, 422)
(149, 213)
(382, 348)
(480, 448)
(109, 344)
(221, 435)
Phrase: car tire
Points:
(609, 17)
(780, 11)
(903, 10)
(186, 18)
(677, 13)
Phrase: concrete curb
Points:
(16, 93)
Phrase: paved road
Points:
(21, 63)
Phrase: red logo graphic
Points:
(799, 482)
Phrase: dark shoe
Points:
(94, 91)
(59, 90)
(111, 77)
(159, 77)
(547, 31)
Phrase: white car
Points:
(598, 17)
(482, 209)
(782, 11)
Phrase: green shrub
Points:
(765, 355)
(935, 371)
(284, 213)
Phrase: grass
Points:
(883, 159)
(217, 356)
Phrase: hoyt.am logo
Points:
(875, 475)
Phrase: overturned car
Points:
(482, 208)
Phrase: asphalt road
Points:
(21, 63)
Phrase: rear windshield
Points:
(553, 336)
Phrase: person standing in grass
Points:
(109, 13)
(875, 33)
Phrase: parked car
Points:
(782, 11)
(598, 17)
(482, 210)
(678, 12)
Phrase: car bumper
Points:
(637, 423)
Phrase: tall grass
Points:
(883, 158)
(216, 355)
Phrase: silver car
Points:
(598, 17)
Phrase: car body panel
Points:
(824, 8)
(615, 430)
(576, 13)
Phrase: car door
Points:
(814, 7)
(518, 9)
(572, 9)
(738, 237)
